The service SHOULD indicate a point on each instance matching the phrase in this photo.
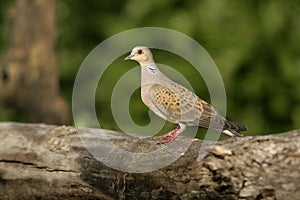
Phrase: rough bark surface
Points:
(29, 78)
(50, 162)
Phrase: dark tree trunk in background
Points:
(29, 77)
(50, 162)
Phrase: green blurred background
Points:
(255, 44)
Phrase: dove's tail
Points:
(233, 129)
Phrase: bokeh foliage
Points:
(255, 44)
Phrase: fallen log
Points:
(39, 161)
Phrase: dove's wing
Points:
(180, 105)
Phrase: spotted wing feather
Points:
(179, 104)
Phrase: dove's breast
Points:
(145, 95)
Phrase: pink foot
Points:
(170, 136)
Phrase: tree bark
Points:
(29, 77)
(51, 162)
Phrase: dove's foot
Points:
(170, 136)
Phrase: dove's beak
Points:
(129, 57)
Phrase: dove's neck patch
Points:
(152, 68)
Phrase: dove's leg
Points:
(170, 136)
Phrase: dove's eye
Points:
(140, 51)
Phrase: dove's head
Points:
(141, 54)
